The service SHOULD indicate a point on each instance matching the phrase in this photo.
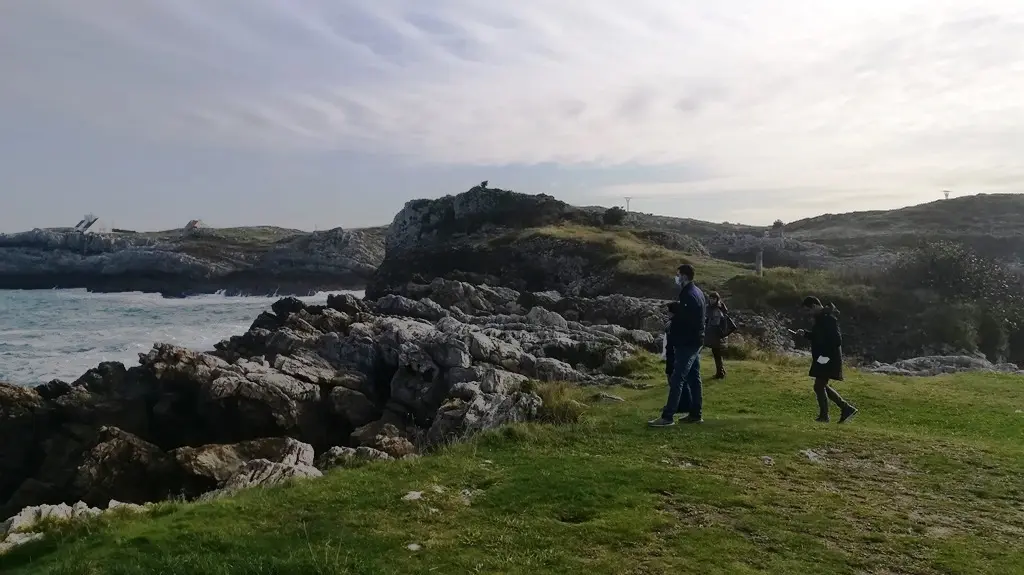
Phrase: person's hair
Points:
(688, 271)
(721, 302)
(811, 301)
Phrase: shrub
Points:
(993, 336)
(561, 403)
(614, 216)
(953, 327)
(957, 273)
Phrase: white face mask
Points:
(679, 281)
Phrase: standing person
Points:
(670, 361)
(716, 331)
(686, 336)
(826, 357)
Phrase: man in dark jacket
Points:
(686, 337)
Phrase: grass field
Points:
(929, 478)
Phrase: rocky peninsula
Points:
(235, 261)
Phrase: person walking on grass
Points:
(826, 357)
(686, 338)
(718, 328)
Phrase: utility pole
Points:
(627, 203)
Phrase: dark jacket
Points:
(715, 332)
(687, 326)
(826, 340)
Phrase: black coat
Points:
(826, 340)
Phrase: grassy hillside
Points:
(998, 214)
(633, 255)
(928, 479)
(992, 224)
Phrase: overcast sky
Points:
(319, 113)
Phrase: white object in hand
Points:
(822, 360)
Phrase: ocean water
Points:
(48, 334)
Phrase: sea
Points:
(60, 334)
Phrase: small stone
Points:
(812, 455)
(607, 397)
(666, 462)
(437, 489)
(413, 496)
(414, 547)
(767, 461)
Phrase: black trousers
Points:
(824, 392)
(716, 352)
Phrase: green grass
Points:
(637, 257)
(928, 479)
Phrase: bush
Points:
(952, 328)
(561, 403)
(957, 273)
(993, 336)
(614, 216)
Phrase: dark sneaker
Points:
(848, 413)
(661, 422)
(719, 376)
(823, 419)
(691, 419)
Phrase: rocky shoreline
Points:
(240, 261)
(309, 387)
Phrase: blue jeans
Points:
(685, 388)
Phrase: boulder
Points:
(263, 473)
(122, 466)
(348, 457)
(208, 466)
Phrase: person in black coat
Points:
(826, 357)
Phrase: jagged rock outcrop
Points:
(386, 379)
(939, 365)
(490, 236)
(260, 261)
(634, 320)
(778, 251)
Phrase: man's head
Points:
(811, 305)
(685, 274)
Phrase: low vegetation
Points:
(632, 255)
(927, 479)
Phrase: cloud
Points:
(873, 97)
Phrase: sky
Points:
(314, 114)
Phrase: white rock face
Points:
(938, 365)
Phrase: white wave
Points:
(61, 334)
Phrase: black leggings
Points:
(716, 352)
(824, 392)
